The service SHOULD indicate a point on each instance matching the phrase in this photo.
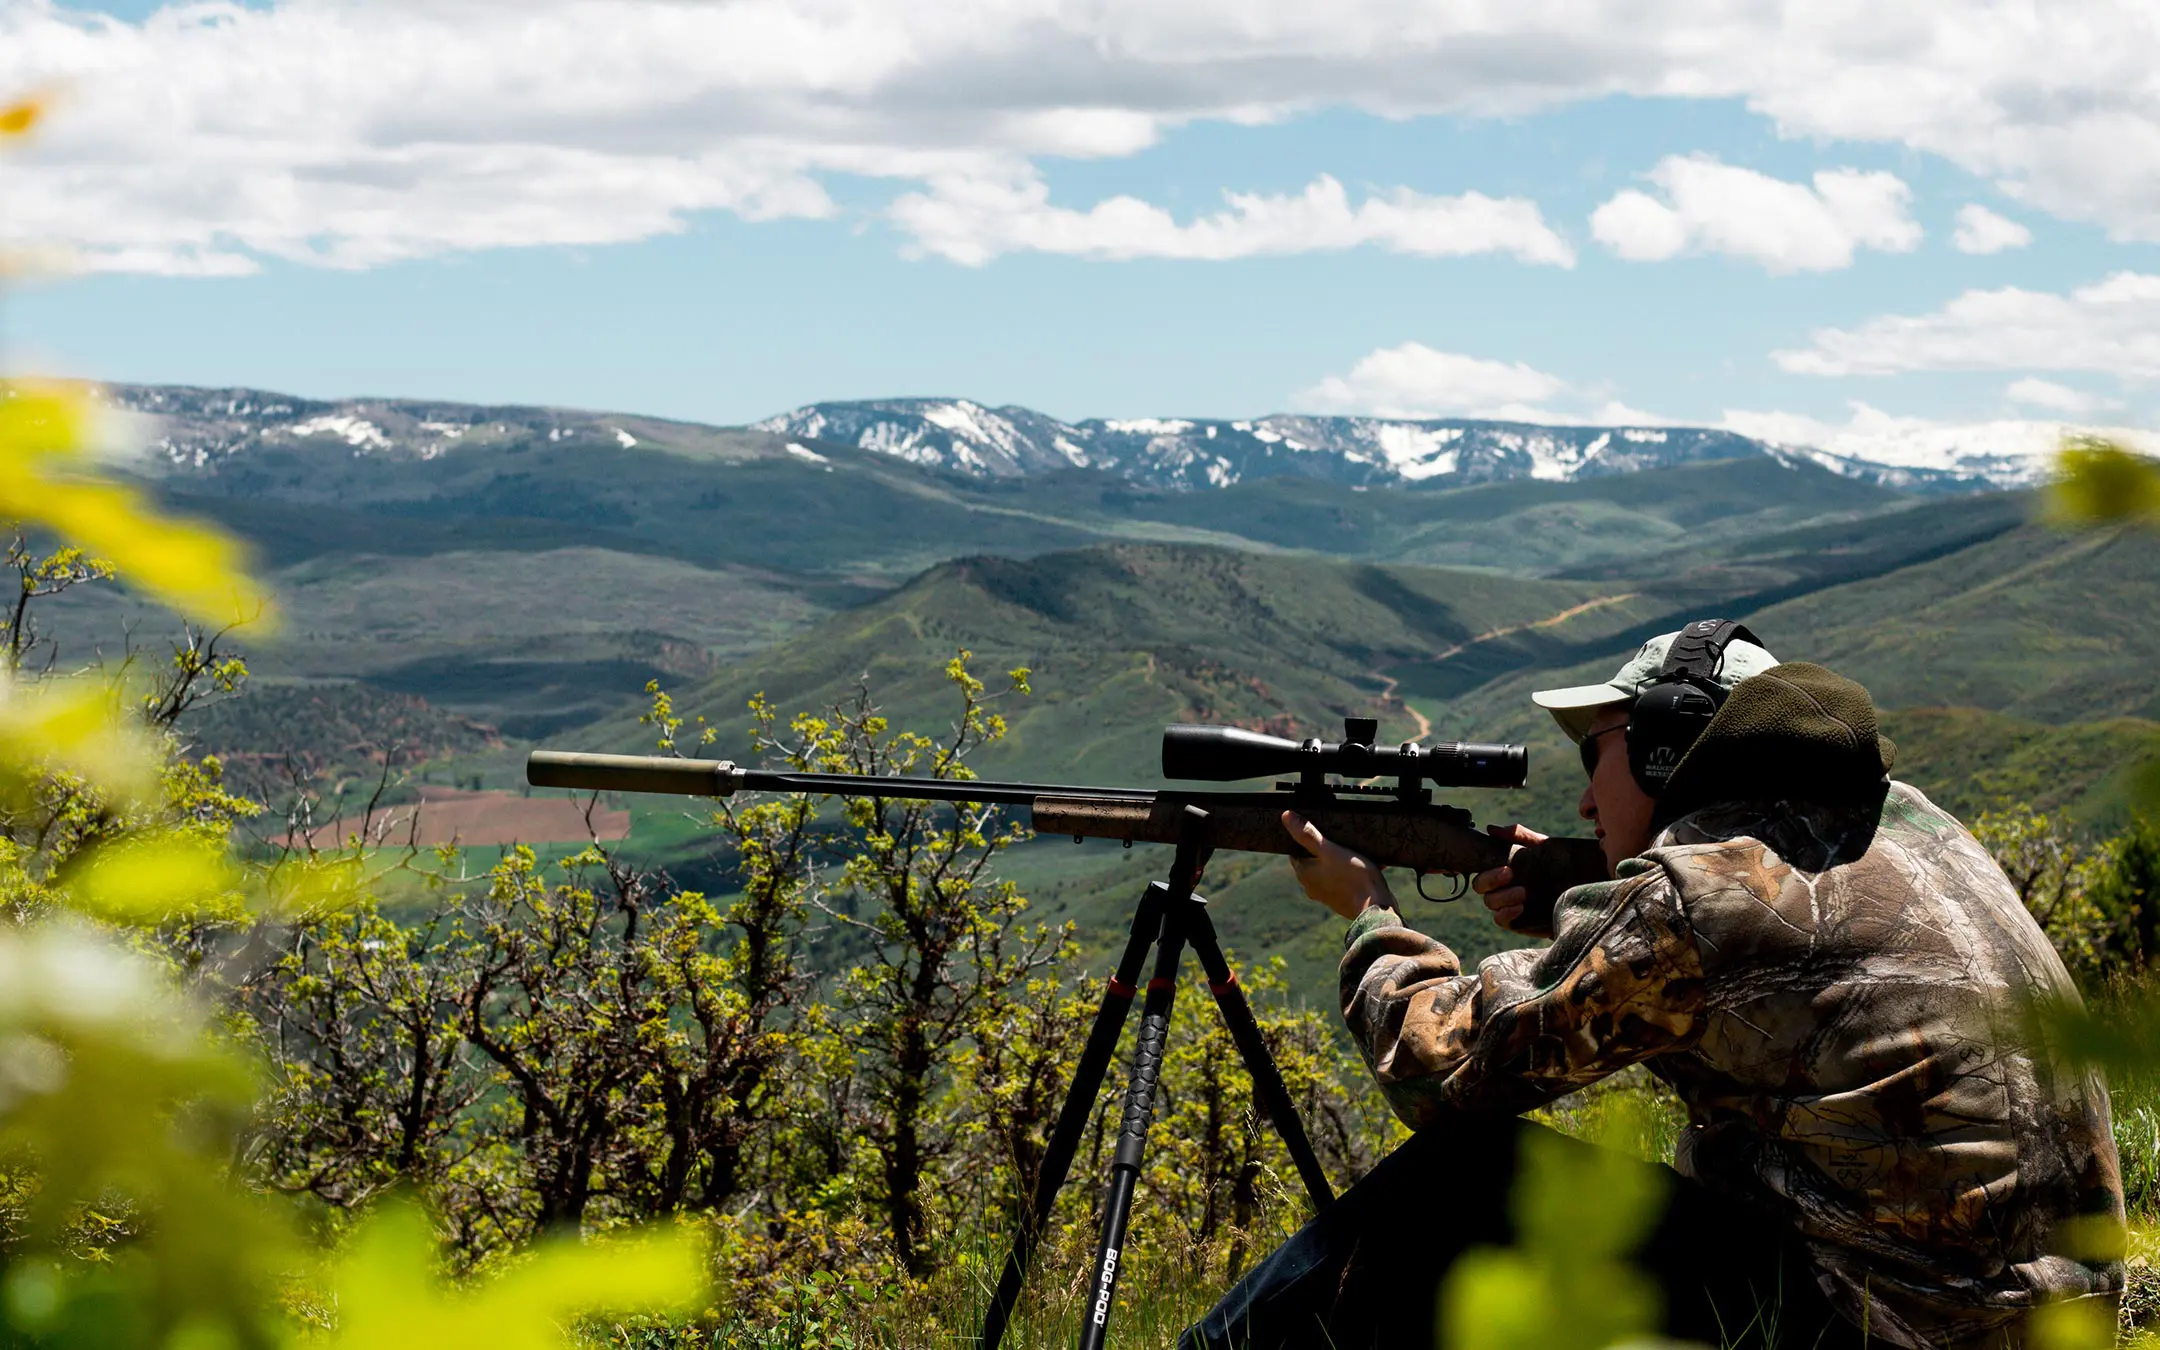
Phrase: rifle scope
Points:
(1219, 754)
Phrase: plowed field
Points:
(449, 815)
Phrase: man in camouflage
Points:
(1828, 970)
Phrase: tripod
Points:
(1169, 919)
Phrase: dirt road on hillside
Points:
(1424, 723)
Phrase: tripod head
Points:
(1221, 754)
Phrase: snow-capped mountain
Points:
(970, 438)
(181, 428)
(188, 429)
(1210, 452)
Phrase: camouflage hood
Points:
(1795, 733)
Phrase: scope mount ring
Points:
(1462, 888)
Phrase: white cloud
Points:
(1980, 230)
(1414, 380)
(2111, 327)
(972, 220)
(1614, 413)
(2060, 398)
(355, 131)
(1711, 207)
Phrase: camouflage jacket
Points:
(1836, 997)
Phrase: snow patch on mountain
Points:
(357, 432)
(1418, 452)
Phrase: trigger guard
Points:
(1462, 888)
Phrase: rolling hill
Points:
(1124, 638)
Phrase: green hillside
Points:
(1952, 603)
(2052, 626)
(348, 731)
(526, 581)
(1970, 761)
(1125, 638)
(1529, 528)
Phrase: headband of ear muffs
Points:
(1671, 711)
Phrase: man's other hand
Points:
(1497, 886)
(1345, 882)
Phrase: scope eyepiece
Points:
(1221, 754)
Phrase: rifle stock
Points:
(1425, 840)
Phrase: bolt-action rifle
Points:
(1395, 825)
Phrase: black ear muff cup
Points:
(1673, 709)
(1666, 721)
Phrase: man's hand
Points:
(1502, 896)
(1345, 882)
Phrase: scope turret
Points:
(1221, 754)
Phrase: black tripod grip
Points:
(1140, 1092)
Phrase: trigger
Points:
(1462, 886)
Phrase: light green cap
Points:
(1574, 709)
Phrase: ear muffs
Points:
(1673, 709)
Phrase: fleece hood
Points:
(1796, 732)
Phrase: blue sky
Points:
(812, 284)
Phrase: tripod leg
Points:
(1132, 1130)
(1268, 1082)
(1073, 1116)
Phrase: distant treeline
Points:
(275, 738)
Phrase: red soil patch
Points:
(452, 816)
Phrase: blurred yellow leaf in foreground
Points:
(148, 880)
(2098, 482)
(43, 439)
(1567, 1284)
(73, 728)
(388, 1297)
(17, 119)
